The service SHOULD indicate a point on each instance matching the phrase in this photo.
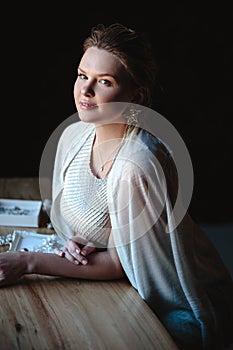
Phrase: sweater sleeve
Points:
(174, 269)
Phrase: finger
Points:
(80, 258)
(87, 249)
(59, 252)
(74, 251)
(70, 256)
(72, 246)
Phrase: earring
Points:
(132, 117)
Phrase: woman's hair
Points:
(134, 51)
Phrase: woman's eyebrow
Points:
(99, 75)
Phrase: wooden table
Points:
(45, 312)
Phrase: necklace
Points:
(114, 153)
(110, 158)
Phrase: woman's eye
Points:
(105, 82)
(82, 76)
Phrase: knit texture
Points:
(84, 200)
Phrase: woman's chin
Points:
(98, 117)
(89, 116)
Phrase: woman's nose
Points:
(87, 89)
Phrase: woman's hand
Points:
(76, 252)
(13, 265)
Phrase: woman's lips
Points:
(87, 105)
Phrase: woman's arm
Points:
(101, 266)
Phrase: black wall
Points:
(193, 45)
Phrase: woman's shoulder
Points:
(153, 144)
(75, 133)
(71, 140)
(77, 128)
(143, 154)
(145, 148)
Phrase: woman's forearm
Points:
(100, 266)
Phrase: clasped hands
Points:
(75, 251)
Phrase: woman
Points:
(115, 190)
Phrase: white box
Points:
(20, 212)
(35, 242)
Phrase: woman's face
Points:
(101, 79)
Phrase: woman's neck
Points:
(106, 132)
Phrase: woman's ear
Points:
(139, 95)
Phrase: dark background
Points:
(193, 44)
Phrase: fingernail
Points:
(84, 252)
(77, 250)
(84, 261)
